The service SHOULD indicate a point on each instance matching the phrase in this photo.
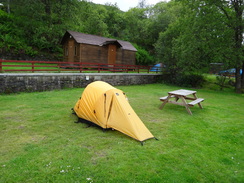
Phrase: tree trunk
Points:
(238, 28)
(238, 85)
(8, 6)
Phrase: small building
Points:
(80, 47)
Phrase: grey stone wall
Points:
(14, 83)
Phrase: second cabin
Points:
(80, 47)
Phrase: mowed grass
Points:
(41, 143)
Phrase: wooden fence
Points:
(54, 66)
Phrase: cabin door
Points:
(71, 50)
(112, 54)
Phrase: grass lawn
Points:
(41, 143)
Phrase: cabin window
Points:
(66, 51)
(75, 50)
(99, 53)
(123, 55)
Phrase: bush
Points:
(143, 57)
(224, 82)
(186, 80)
(12, 39)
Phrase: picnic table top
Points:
(182, 92)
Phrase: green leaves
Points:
(143, 57)
(205, 32)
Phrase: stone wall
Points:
(14, 83)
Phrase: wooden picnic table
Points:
(184, 96)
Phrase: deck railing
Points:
(54, 66)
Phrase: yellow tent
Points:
(108, 107)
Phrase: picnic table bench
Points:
(184, 96)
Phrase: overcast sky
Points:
(125, 5)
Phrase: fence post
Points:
(32, 66)
(59, 69)
(80, 67)
(99, 67)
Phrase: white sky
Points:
(125, 5)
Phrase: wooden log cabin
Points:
(80, 47)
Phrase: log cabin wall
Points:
(65, 52)
(68, 50)
(76, 52)
(129, 57)
(93, 54)
(119, 56)
(71, 51)
(126, 57)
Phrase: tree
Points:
(172, 47)
(135, 29)
(143, 57)
(231, 14)
(234, 13)
(114, 20)
(94, 23)
(159, 18)
(142, 4)
(11, 37)
(43, 21)
(208, 31)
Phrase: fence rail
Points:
(54, 66)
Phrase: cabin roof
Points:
(97, 40)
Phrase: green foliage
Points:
(93, 20)
(115, 21)
(160, 17)
(185, 80)
(207, 31)
(224, 81)
(11, 38)
(135, 20)
(34, 24)
(143, 57)
(181, 48)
